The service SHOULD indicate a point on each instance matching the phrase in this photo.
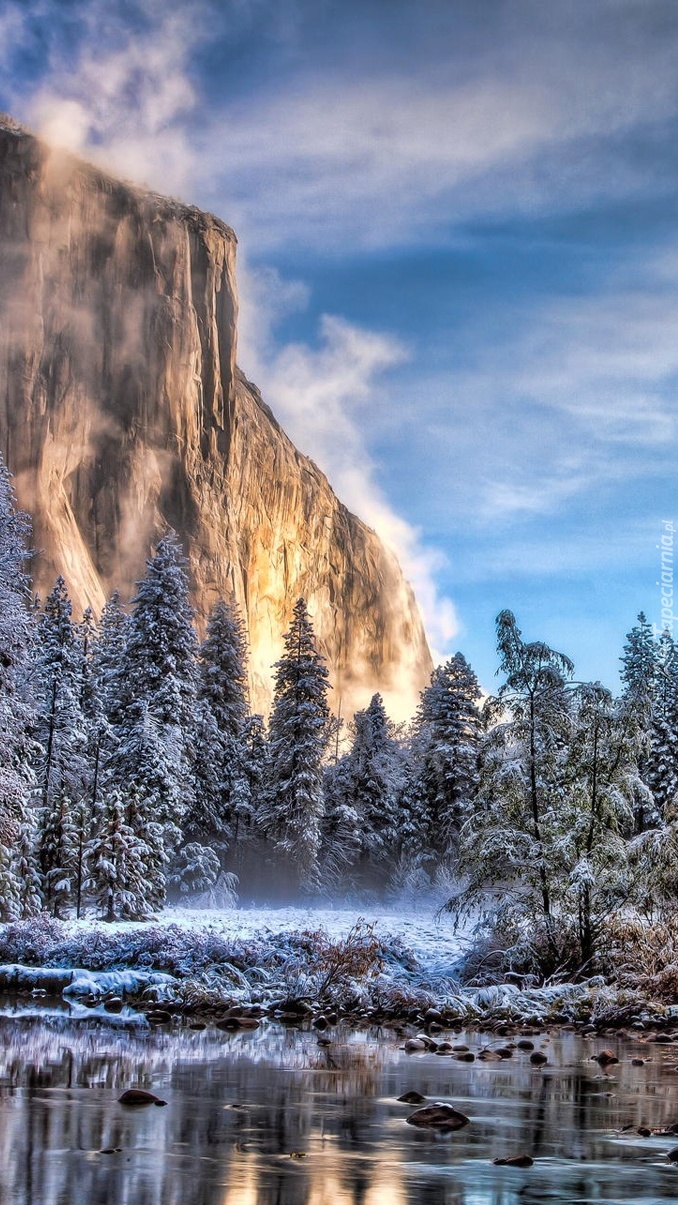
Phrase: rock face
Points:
(122, 412)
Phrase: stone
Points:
(412, 1098)
(524, 1044)
(230, 1024)
(159, 1016)
(414, 1045)
(139, 1096)
(514, 1161)
(464, 1056)
(113, 1005)
(438, 1117)
(672, 1155)
(538, 1059)
(122, 413)
(605, 1058)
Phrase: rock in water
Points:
(514, 1161)
(438, 1117)
(139, 1096)
(412, 1098)
(538, 1059)
(605, 1058)
(122, 412)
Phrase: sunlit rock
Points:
(122, 412)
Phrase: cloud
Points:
(327, 146)
(329, 399)
(121, 95)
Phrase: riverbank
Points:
(238, 968)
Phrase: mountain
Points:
(122, 412)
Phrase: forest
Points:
(133, 772)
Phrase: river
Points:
(272, 1118)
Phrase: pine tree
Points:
(119, 859)
(223, 669)
(448, 735)
(515, 832)
(293, 805)
(62, 732)
(57, 847)
(222, 800)
(639, 663)
(152, 698)
(108, 657)
(16, 703)
(143, 770)
(159, 666)
(660, 764)
(602, 784)
(365, 788)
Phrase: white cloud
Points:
(128, 101)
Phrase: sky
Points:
(458, 265)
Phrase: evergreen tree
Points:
(119, 859)
(364, 789)
(16, 705)
(108, 657)
(293, 804)
(57, 847)
(152, 698)
(602, 785)
(448, 735)
(222, 801)
(660, 764)
(515, 833)
(143, 770)
(62, 733)
(639, 664)
(159, 665)
(223, 669)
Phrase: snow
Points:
(78, 983)
(433, 940)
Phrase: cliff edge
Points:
(122, 411)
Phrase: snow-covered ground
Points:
(206, 959)
(431, 938)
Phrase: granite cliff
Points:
(122, 412)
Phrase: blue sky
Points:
(458, 264)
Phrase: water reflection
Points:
(271, 1118)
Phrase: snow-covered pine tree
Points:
(367, 784)
(119, 858)
(16, 708)
(448, 736)
(142, 768)
(514, 835)
(221, 801)
(602, 784)
(156, 689)
(639, 663)
(293, 805)
(159, 666)
(195, 870)
(62, 770)
(223, 669)
(659, 766)
(108, 657)
(641, 675)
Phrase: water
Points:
(271, 1118)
